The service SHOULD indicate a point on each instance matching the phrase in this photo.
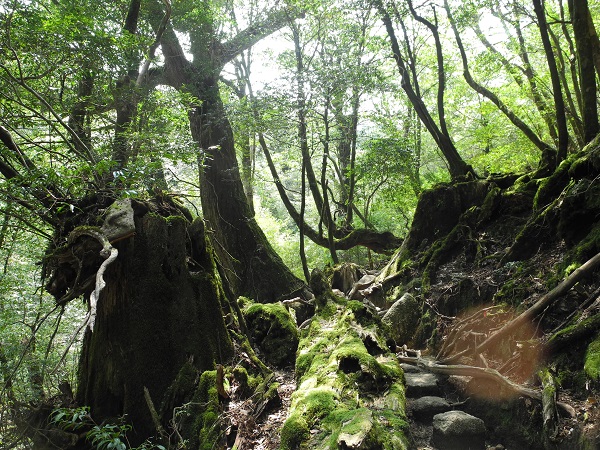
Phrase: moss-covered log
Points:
(350, 391)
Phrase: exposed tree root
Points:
(486, 374)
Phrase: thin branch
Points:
(143, 75)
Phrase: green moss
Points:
(489, 205)
(316, 403)
(592, 360)
(550, 187)
(244, 302)
(294, 431)
(181, 390)
(208, 396)
(372, 427)
(244, 344)
(424, 330)
(246, 383)
(175, 220)
(363, 314)
(198, 420)
(273, 330)
(274, 311)
(337, 376)
(588, 247)
(576, 256)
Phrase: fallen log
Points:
(349, 384)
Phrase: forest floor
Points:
(472, 279)
(261, 431)
(455, 280)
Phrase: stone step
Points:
(424, 408)
(421, 384)
(457, 430)
(409, 368)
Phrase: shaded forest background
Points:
(302, 134)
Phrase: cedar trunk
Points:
(249, 263)
(161, 308)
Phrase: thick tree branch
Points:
(457, 167)
(245, 39)
(440, 64)
(87, 155)
(131, 21)
(143, 75)
(561, 118)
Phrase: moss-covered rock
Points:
(273, 330)
(403, 318)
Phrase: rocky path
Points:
(437, 423)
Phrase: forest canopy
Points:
(288, 136)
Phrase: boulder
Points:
(273, 331)
(403, 318)
(457, 430)
(409, 368)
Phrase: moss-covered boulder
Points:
(403, 318)
(273, 330)
(350, 391)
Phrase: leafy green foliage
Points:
(101, 437)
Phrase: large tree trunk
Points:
(157, 312)
(585, 55)
(249, 263)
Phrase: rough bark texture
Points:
(250, 264)
(583, 38)
(438, 212)
(156, 313)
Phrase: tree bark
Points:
(587, 74)
(559, 104)
(249, 263)
(155, 314)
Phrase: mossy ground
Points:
(592, 360)
(345, 386)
